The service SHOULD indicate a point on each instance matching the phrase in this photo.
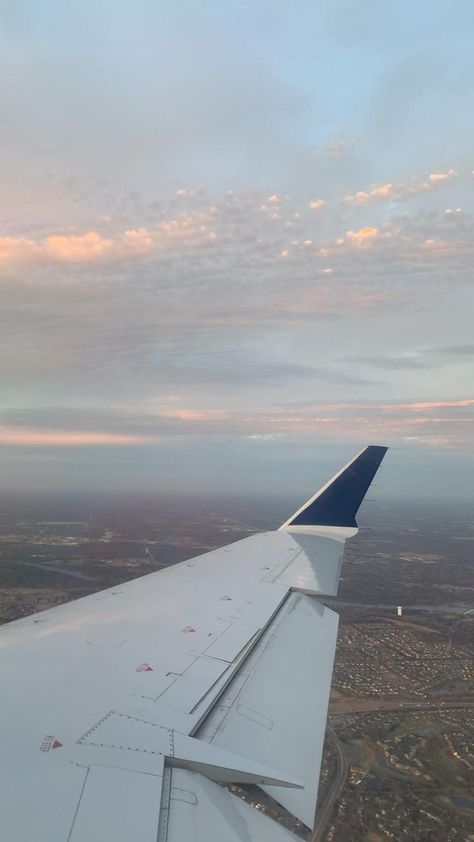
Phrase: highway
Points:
(375, 705)
(324, 811)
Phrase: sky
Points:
(236, 244)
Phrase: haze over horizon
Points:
(236, 244)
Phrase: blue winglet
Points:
(337, 502)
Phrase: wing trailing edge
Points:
(337, 502)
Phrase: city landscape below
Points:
(398, 761)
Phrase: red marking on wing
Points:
(49, 742)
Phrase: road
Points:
(374, 705)
(324, 811)
(63, 571)
(457, 608)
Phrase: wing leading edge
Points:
(175, 681)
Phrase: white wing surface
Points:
(123, 714)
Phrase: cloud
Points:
(17, 248)
(183, 231)
(391, 407)
(431, 423)
(30, 437)
(189, 192)
(166, 306)
(72, 248)
(76, 248)
(423, 405)
(408, 245)
(188, 240)
(424, 358)
(439, 177)
(456, 350)
(400, 190)
(195, 299)
(363, 235)
(334, 149)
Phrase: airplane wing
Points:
(125, 714)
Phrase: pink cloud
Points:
(377, 421)
(77, 248)
(186, 229)
(138, 240)
(30, 437)
(423, 405)
(17, 248)
(400, 189)
(364, 236)
(196, 415)
(418, 421)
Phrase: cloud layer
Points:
(247, 228)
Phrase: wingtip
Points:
(376, 448)
(337, 502)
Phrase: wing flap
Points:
(274, 711)
(202, 811)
